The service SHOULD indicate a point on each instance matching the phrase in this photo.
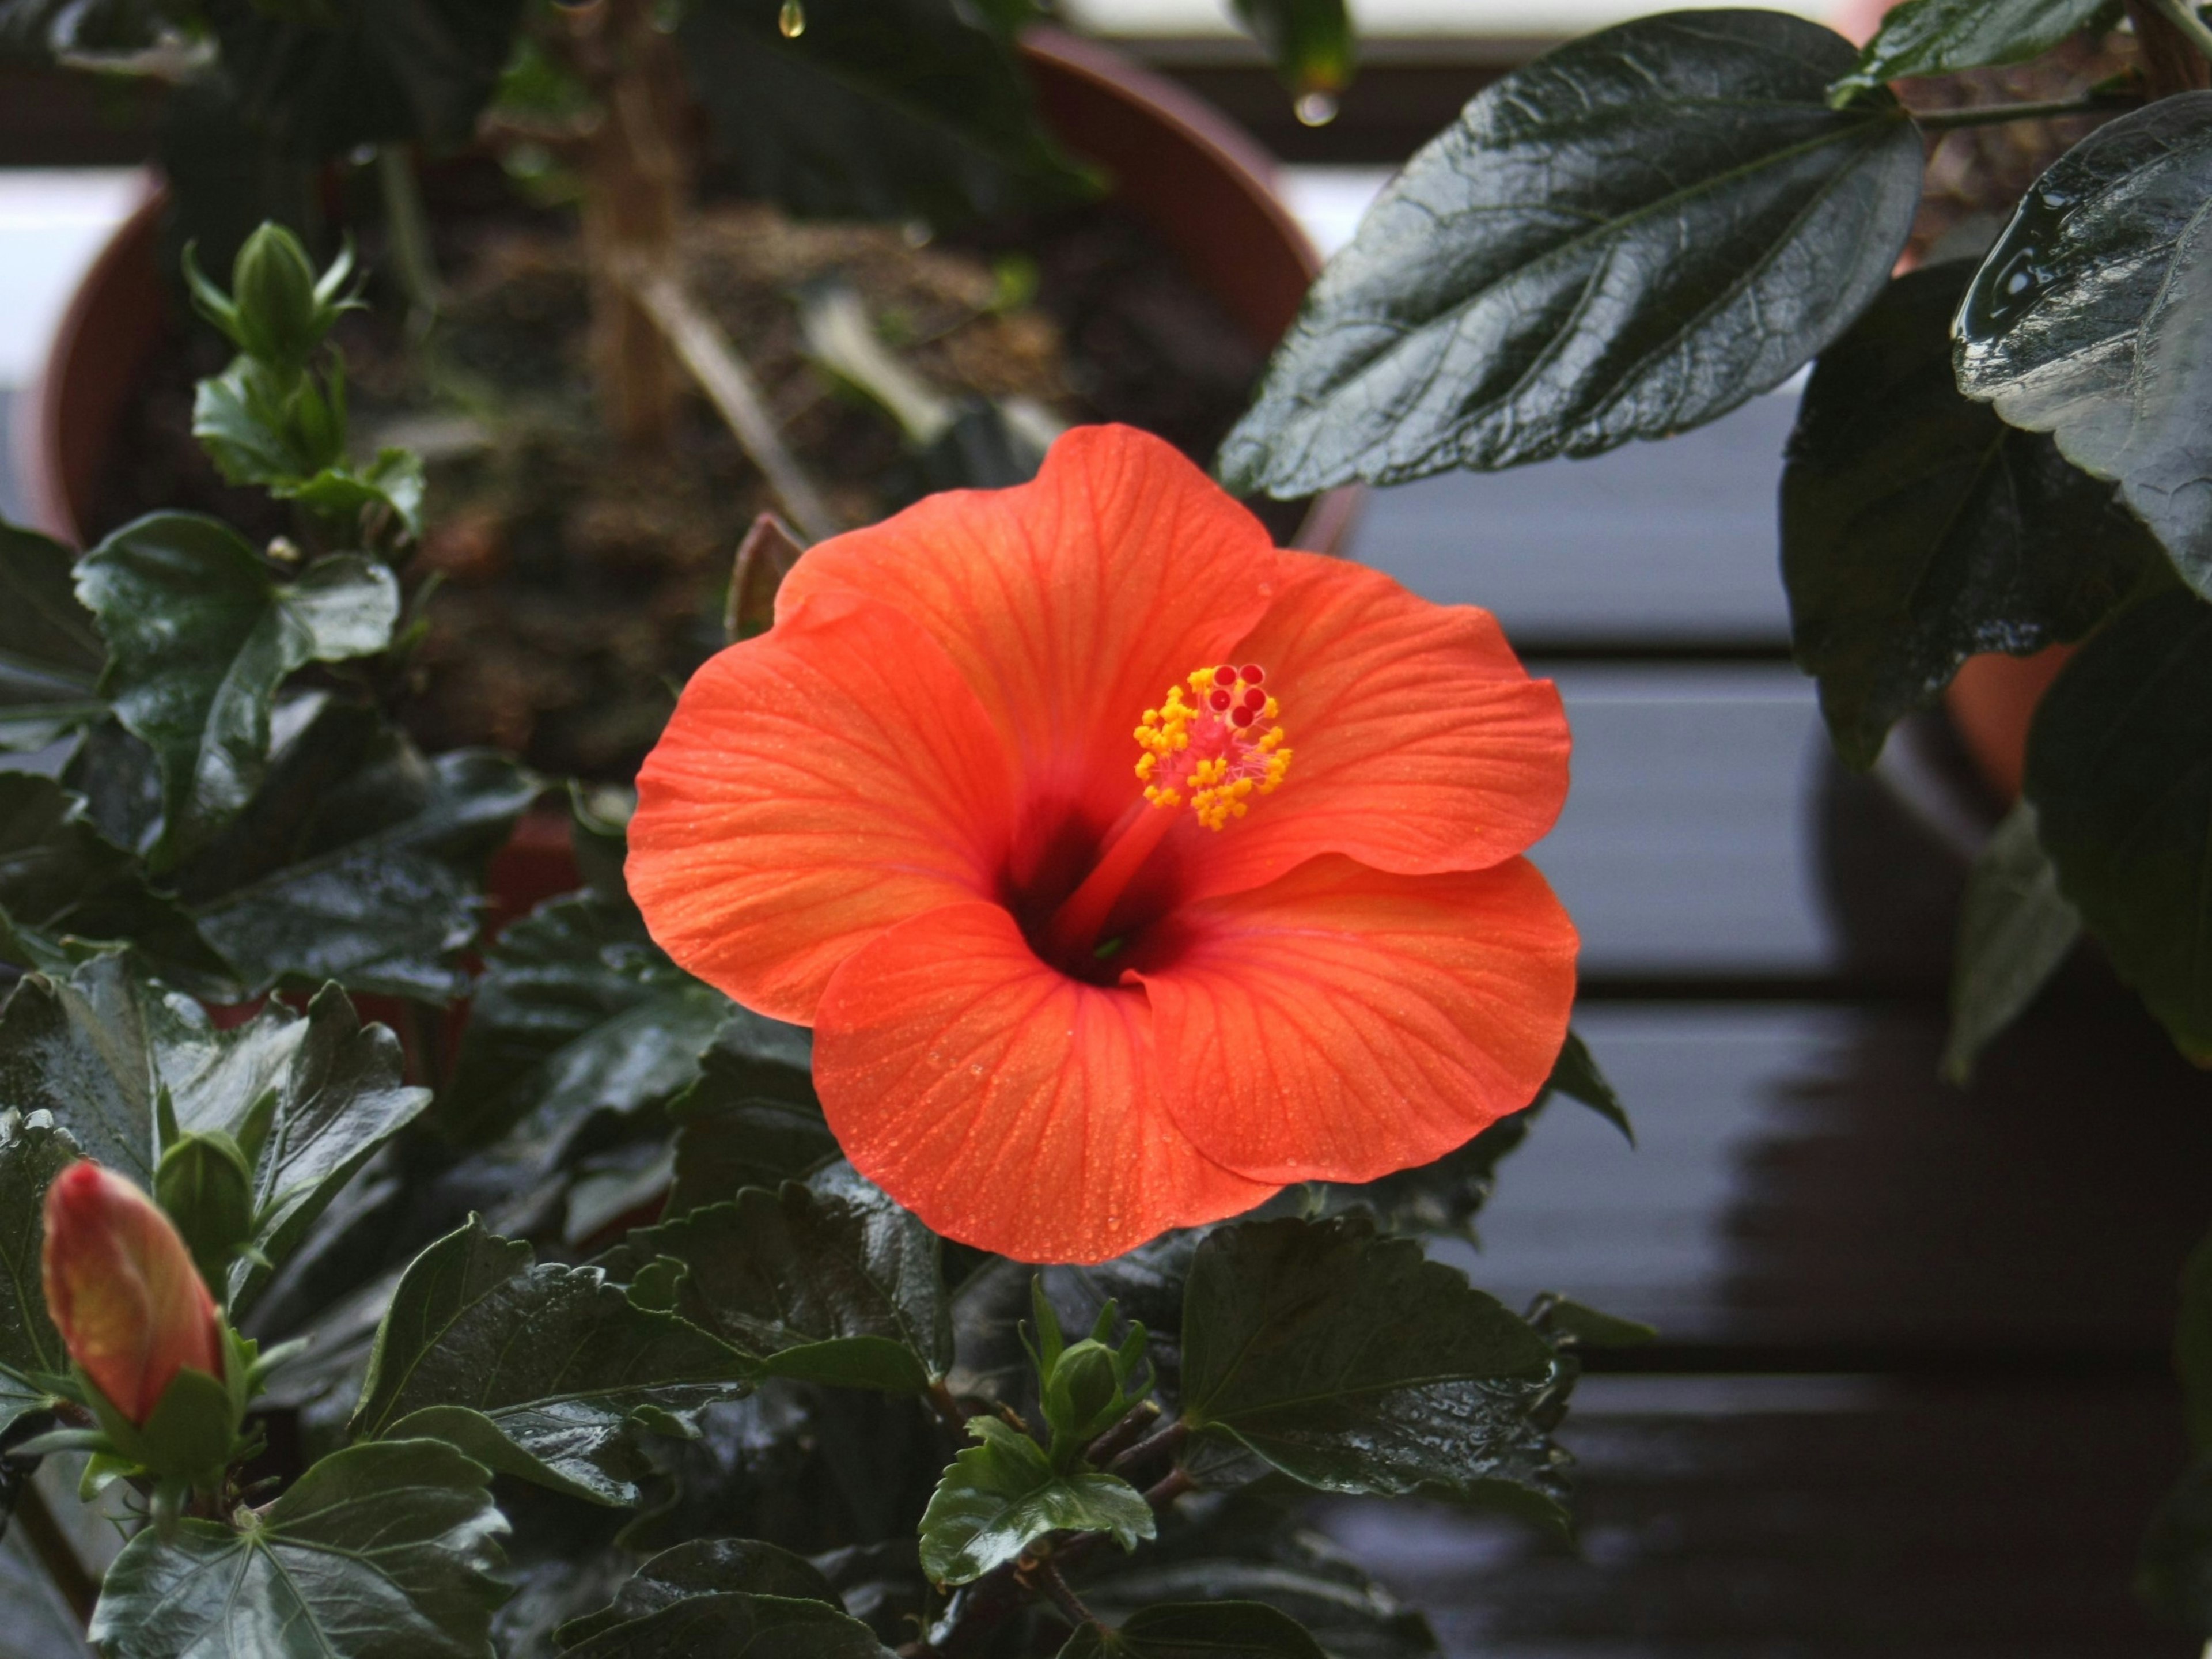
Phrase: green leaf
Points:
(751, 1120)
(1917, 528)
(1942, 37)
(879, 109)
(731, 1626)
(1000, 1497)
(2119, 767)
(577, 1012)
(1308, 40)
(2175, 1573)
(62, 879)
(2014, 931)
(2091, 319)
(380, 1551)
(1569, 1324)
(84, 26)
(200, 636)
(1629, 237)
(32, 1152)
(2192, 1346)
(1575, 1074)
(386, 891)
(705, 1566)
(834, 1284)
(1353, 1363)
(1198, 1630)
(49, 655)
(366, 71)
(557, 1360)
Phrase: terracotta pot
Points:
(1991, 701)
(1200, 183)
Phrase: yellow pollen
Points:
(1194, 748)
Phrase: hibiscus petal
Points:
(1008, 1106)
(1419, 743)
(1343, 1023)
(1072, 602)
(815, 786)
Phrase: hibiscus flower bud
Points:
(122, 1290)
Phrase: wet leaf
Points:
(49, 655)
(731, 1626)
(831, 1283)
(1628, 237)
(705, 1566)
(383, 890)
(1002, 1496)
(200, 636)
(2119, 767)
(1575, 1074)
(1917, 528)
(2091, 319)
(1310, 41)
(2014, 932)
(877, 109)
(1942, 37)
(1353, 1363)
(751, 1120)
(377, 1552)
(536, 1371)
(577, 1012)
(32, 1152)
(1197, 1630)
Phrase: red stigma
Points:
(1255, 699)
(1251, 673)
(1241, 719)
(1219, 699)
(1224, 675)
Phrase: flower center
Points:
(1213, 742)
(1215, 748)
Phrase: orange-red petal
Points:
(815, 786)
(1008, 1106)
(1071, 603)
(1343, 1023)
(1420, 743)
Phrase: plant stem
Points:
(1946, 120)
(703, 348)
(948, 1410)
(2173, 62)
(56, 1553)
(1118, 1439)
(1167, 1439)
(408, 224)
(2183, 16)
(1047, 1576)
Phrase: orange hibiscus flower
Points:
(1127, 867)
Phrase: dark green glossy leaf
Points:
(751, 1120)
(384, 894)
(49, 655)
(2014, 931)
(2119, 767)
(1575, 1074)
(1002, 1496)
(705, 1566)
(479, 1347)
(731, 1625)
(1197, 1630)
(412, 70)
(2175, 1573)
(32, 1152)
(577, 1012)
(879, 109)
(1442, 1197)
(61, 879)
(1353, 1363)
(378, 1552)
(84, 26)
(1308, 40)
(2091, 319)
(1571, 1325)
(121, 783)
(1628, 237)
(1917, 528)
(1942, 37)
(200, 636)
(831, 1283)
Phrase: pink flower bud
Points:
(123, 1291)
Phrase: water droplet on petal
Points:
(791, 21)
(1316, 109)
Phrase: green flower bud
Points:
(1083, 1395)
(206, 1186)
(273, 287)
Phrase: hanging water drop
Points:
(1316, 109)
(791, 20)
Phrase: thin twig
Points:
(948, 1409)
(1043, 1575)
(56, 1553)
(409, 224)
(1167, 1439)
(2183, 16)
(1118, 1439)
(1986, 115)
(700, 344)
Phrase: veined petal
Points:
(1070, 603)
(815, 786)
(1008, 1106)
(1421, 744)
(1342, 1023)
